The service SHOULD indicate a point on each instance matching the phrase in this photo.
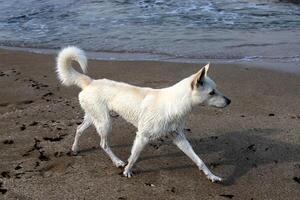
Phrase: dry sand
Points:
(254, 143)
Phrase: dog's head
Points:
(204, 90)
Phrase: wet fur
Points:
(154, 112)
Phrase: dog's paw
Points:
(72, 153)
(127, 174)
(214, 178)
(74, 150)
(119, 163)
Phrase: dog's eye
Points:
(212, 92)
(201, 83)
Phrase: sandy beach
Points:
(254, 144)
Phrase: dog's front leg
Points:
(183, 144)
(138, 145)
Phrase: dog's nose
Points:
(228, 101)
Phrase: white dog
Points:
(155, 112)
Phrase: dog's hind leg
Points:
(138, 145)
(183, 144)
(80, 129)
(103, 126)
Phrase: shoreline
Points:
(265, 63)
(253, 144)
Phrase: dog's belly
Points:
(130, 116)
(127, 106)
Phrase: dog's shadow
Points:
(242, 150)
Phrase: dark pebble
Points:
(48, 94)
(252, 147)
(266, 149)
(18, 167)
(214, 137)
(54, 139)
(46, 125)
(149, 184)
(229, 196)
(3, 191)
(271, 114)
(5, 174)
(242, 115)
(33, 123)
(25, 154)
(155, 146)
(8, 142)
(43, 157)
(23, 127)
(213, 165)
(122, 198)
(36, 144)
(18, 175)
(297, 179)
(173, 190)
(36, 164)
(4, 104)
(27, 102)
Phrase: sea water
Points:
(230, 30)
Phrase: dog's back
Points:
(122, 98)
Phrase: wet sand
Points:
(254, 144)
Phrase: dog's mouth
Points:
(222, 106)
(225, 104)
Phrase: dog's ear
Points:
(206, 67)
(199, 77)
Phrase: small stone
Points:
(23, 127)
(18, 167)
(229, 196)
(8, 142)
(150, 184)
(33, 123)
(297, 179)
(5, 174)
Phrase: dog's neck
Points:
(179, 99)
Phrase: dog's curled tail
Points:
(66, 73)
